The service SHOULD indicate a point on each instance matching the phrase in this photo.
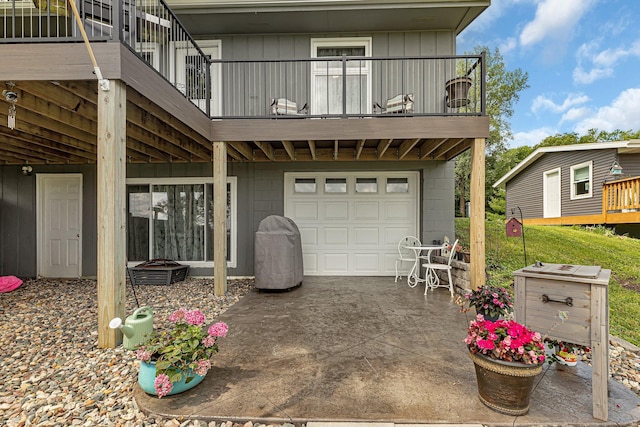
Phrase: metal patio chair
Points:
(432, 272)
(406, 255)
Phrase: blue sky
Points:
(582, 57)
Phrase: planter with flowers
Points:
(177, 359)
(507, 357)
(490, 301)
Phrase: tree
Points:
(502, 93)
(593, 135)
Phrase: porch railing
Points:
(148, 27)
(621, 196)
(348, 87)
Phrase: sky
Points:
(582, 58)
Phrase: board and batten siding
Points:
(248, 91)
(18, 221)
(526, 189)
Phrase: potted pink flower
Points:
(507, 357)
(178, 358)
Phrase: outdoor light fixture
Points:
(12, 98)
(27, 170)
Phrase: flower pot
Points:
(466, 257)
(147, 375)
(503, 386)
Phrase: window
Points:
(335, 185)
(366, 185)
(305, 185)
(397, 185)
(173, 219)
(581, 177)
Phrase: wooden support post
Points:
(599, 322)
(476, 196)
(219, 217)
(111, 174)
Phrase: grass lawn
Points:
(569, 245)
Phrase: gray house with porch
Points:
(172, 130)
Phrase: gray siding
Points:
(526, 189)
(18, 219)
(260, 193)
(630, 164)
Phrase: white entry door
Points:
(59, 225)
(351, 222)
(552, 194)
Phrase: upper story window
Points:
(581, 180)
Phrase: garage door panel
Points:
(305, 210)
(336, 263)
(367, 263)
(367, 236)
(336, 236)
(367, 211)
(336, 210)
(393, 235)
(310, 261)
(399, 210)
(309, 235)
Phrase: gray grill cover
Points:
(278, 254)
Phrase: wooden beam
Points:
(234, 154)
(382, 147)
(291, 152)
(266, 148)
(111, 210)
(442, 152)
(458, 149)
(477, 220)
(359, 147)
(220, 218)
(312, 148)
(336, 149)
(243, 148)
(429, 146)
(407, 146)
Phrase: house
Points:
(139, 132)
(595, 183)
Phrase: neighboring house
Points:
(345, 116)
(577, 184)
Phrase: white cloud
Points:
(531, 137)
(543, 103)
(594, 66)
(554, 19)
(623, 113)
(574, 114)
(507, 45)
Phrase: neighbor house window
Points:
(173, 219)
(581, 180)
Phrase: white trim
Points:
(545, 190)
(40, 216)
(316, 70)
(631, 146)
(575, 196)
(232, 180)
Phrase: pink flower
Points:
(194, 317)
(203, 367)
(209, 341)
(486, 344)
(143, 354)
(177, 315)
(218, 329)
(162, 385)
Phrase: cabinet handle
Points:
(568, 301)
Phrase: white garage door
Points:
(351, 222)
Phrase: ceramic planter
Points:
(147, 375)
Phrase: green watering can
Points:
(136, 327)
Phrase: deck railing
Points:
(621, 196)
(148, 27)
(317, 87)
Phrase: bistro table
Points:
(431, 279)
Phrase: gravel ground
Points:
(53, 374)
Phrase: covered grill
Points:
(278, 254)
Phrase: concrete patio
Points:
(367, 350)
